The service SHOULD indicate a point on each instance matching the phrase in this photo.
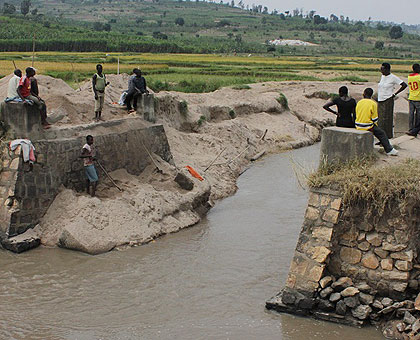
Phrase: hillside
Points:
(193, 27)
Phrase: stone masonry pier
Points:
(353, 265)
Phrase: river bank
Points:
(209, 281)
(235, 124)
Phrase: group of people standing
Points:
(378, 117)
(136, 87)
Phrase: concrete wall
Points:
(22, 120)
(27, 195)
(342, 144)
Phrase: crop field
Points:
(203, 73)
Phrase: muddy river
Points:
(207, 282)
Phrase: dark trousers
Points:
(413, 116)
(132, 96)
(41, 106)
(386, 116)
(381, 135)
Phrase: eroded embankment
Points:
(235, 125)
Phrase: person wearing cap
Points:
(13, 85)
(26, 93)
(386, 95)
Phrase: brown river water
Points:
(210, 281)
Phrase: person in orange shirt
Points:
(414, 101)
(26, 93)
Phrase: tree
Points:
(333, 18)
(379, 45)
(318, 20)
(396, 32)
(25, 5)
(311, 14)
(179, 21)
(282, 16)
(8, 8)
(107, 27)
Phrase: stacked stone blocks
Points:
(347, 262)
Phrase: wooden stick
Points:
(214, 160)
(150, 155)
(108, 175)
(14, 64)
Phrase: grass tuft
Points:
(377, 188)
(201, 120)
(241, 87)
(282, 100)
(350, 78)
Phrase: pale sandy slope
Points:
(153, 204)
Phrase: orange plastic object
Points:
(194, 173)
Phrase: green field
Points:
(203, 72)
(207, 27)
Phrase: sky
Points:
(401, 11)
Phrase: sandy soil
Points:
(230, 125)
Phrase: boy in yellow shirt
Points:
(367, 117)
(414, 101)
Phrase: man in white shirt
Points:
(386, 95)
(13, 85)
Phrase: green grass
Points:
(350, 78)
(241, 87)
(201, 120)
(282, 100)
(150, 26)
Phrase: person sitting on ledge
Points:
(367, 117)
(136, 87)
(346, 106)
(12, 94)
(26, 93)
(88, 155)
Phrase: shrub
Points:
(282, 100)
(201, 120)
(179, 21)
(396, 32)
(379, 45)
(232, 114)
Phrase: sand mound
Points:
(149, 206)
